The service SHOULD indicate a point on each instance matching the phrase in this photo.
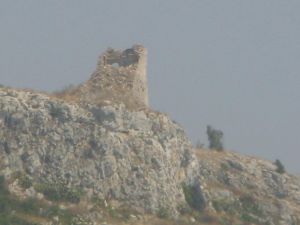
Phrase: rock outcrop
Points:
(139, 158)
(248, 188)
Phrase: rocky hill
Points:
(63, 153)
(67, 162)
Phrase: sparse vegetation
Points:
(68, 92)
(223, 205)
(12, 209)
(249, 218)
(184, 209)
(280, 167)
(193, 197)
(67, 89)
(207, 219)
(56, 112)
(215, 138)
(225, 221)
(59, 192)
(163, 213)
(249, 205)
(112, 211)
(25, 182)
(224, 166)
(245, 208)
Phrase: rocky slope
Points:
(139, 157)
(248, 188)
(68, 154)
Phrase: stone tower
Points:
(120, 77)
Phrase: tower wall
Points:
(141, 84)
(120, 77)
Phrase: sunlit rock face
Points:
(139, 158)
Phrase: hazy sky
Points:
(232, 64)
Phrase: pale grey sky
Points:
(232, 64)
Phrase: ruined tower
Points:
(120, 77)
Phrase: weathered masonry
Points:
(120, 77)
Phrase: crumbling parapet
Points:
(121, 58)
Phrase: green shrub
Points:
(8, 219)
(65, 216)
(230, 207)
(59, 192)
(224, 166)
(25, 182)
(280, 167)
(3, 189)
(8, 204)
(163, 213)
(225, 221)
(32, 206)
(98, 202)
(184, 209)
(214, 138)
(249, 219)
(125, 213)
(249, 205)
(193, 196)
(112, 211)
(56, 112)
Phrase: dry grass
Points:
(68, 93)
(209, 154)
(32, 219)
(219, 156)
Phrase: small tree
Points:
(280, 167)
(214, 138)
